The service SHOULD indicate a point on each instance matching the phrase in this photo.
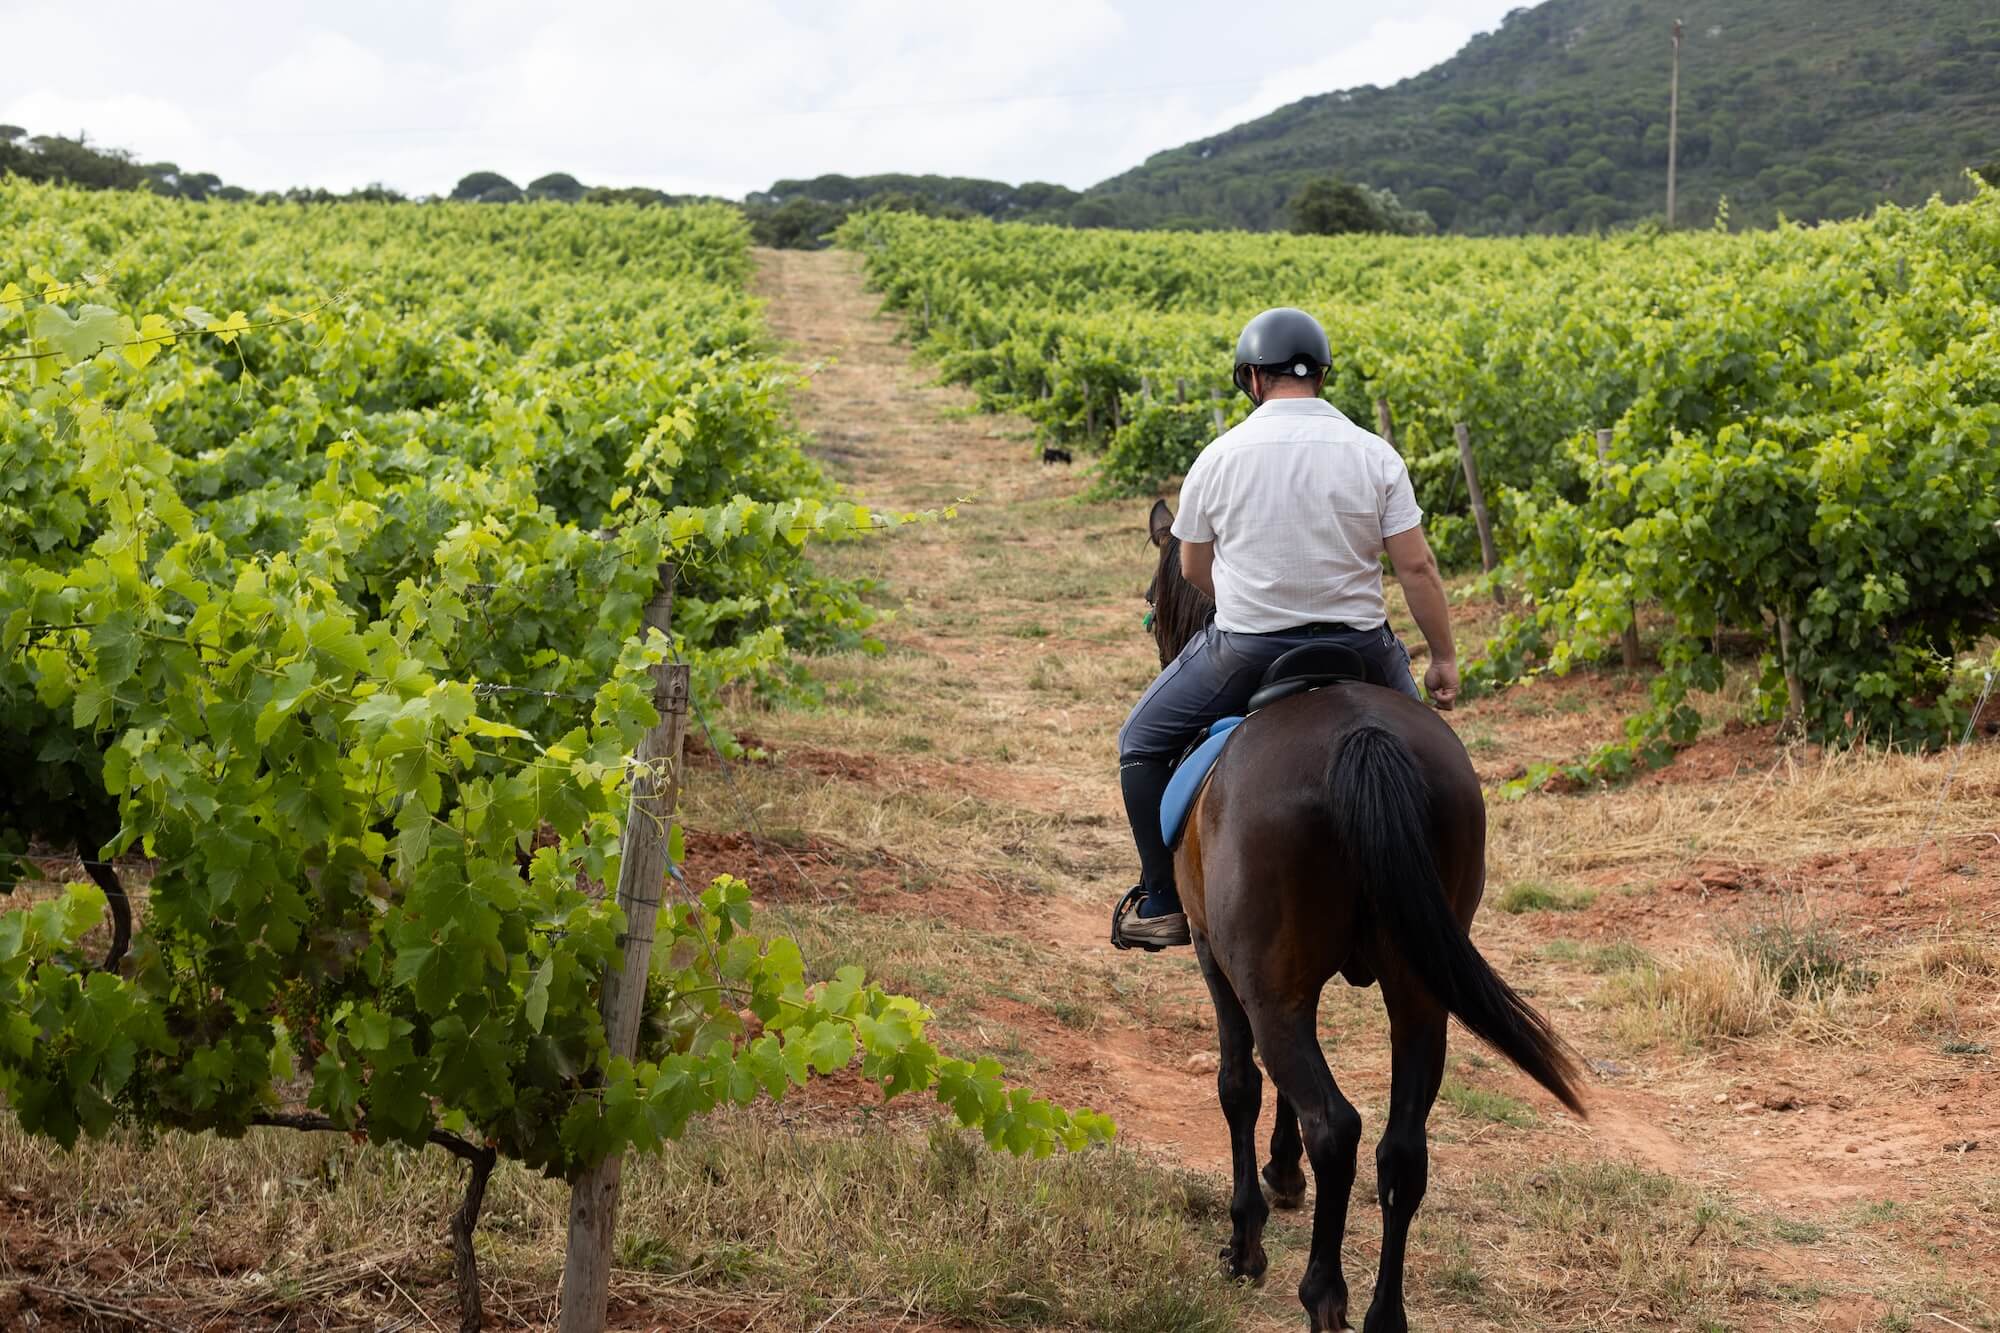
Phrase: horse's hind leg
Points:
(1282, 1172)
(1402, 1159)
(1241, 1089)
(1331, 1127)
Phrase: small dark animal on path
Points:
(1341, 832)
(1054, 455)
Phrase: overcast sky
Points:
(719, 98)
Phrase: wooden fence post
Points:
(1218, 415)
(642, 877)
(1117, 417)
(1146, 390)
(1489, 555)
(1629, 641)
(1180, 389)
(1795, 686)
(1385, 426)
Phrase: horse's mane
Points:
(1179, 608)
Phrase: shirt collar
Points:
(1296, 407)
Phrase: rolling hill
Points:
(1557, 121)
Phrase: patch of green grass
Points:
(1074, 1015)
(915, 744)
(1460, 1278)
(1052, 673)
(1797, 1232)
(1534, 896)
(1478, 740)
(1486, 1104)
(1032, 630)
(1803, 956)
(1620, 956)
(1878, 1212)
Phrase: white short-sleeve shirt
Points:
(1298, 500)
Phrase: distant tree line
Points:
(792, 214)
(54, 157)
(802, 214)
(65, 161)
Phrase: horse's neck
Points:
(1180, 609)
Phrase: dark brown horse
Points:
(1341, 832)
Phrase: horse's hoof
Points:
(1247, 1268)
(1285, 1195)
(1329, 1314)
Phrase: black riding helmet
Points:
(1285, 338)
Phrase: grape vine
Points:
(325, 614)
(1806, 424)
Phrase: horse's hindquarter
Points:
(1258, 872)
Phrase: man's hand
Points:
(1423, 589)
(1441, 683)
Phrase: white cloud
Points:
(719, 98)
(1391, 49)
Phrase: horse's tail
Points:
(1381, 817)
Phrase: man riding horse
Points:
(1283, 523)
(1336, 830)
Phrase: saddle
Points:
(1308, 667)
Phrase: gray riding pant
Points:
(1219, 670)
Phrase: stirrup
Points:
(1118, 914)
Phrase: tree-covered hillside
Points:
(1557, 121)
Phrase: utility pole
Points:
(1673, 124)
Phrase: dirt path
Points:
(956, 803)
(999, 607)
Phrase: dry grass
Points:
(1704, 996)
(1787, 973)
(800, 1224)
(1569, 1245)
(1806, 801)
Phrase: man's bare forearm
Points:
(1423, 589)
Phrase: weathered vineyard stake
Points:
(642, 875)
(1673, 124)
(1385, 426)
(1629, 643)
(1489, 555)
(1218, 415)
(1795, 686)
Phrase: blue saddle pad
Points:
(1188, 777)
